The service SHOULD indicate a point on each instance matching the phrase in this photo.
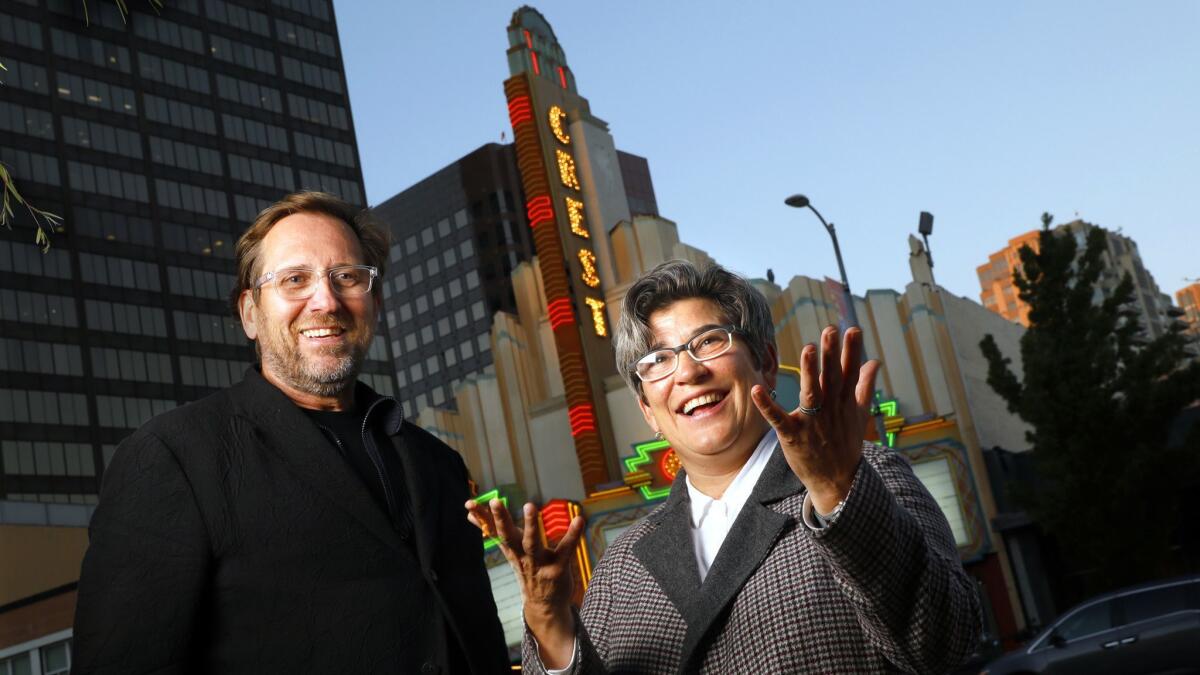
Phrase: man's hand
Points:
(824, 447)
(544, 575)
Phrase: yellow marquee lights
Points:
(556, 125)
(597, 316)
(588, 260)
(566, 170)
(575, 215)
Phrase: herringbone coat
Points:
(880, 589)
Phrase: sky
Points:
(984, 114)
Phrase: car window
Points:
(1091, 619)
(1155, 602)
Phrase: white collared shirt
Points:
(713, 518)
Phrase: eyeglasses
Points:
(300, 283)
(706, 345)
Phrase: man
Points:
(293, 522)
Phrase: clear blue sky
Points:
(986, 114)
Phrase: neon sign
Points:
(556, 125)
(566, 170)
(588, 260)
(575, 216)
(598, 322)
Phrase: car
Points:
(1150, 628)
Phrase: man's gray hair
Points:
(740, 304)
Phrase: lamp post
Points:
(799, 202)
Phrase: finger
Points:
(772, 412)
(810, 393)
(831, 373)
(865, 392)
(477, 518)
(566, 545)
(531, 541)
(509, 533)
(852, 353)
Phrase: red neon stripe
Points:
(562, 77)
(582, 419)
(559, 312)
(556, 518)
(539, 210)
(536, 70)
(519, 110)
(528, 40)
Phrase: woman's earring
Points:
(659, 435)
(772, 394)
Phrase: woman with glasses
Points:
(787, 544)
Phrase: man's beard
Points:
(283, 357)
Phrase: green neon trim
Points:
(643, 451)
(484, 498)
(889, 408)
(891, 439)
(650, 495)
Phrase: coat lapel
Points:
(288, 434)
(668, 553)
(421, 494)
(750, 540)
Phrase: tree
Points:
(44, 222)
(1100, 401)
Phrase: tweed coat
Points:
(880, 589)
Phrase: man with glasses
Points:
(293, 522)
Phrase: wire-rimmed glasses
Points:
(300, 283)
(708, 344)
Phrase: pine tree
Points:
(1100, 401)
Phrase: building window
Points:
(50, 358)
(238, 17)
(29, 121)
(96, 94)
(249, 94)
(191, 198)
(173, 73)
(159, 29)
(185, 156)
(105, 181)
(31, 166)
(131, 365)
(117, 317)
(39, 308)
(29, 259)
(242, 54)
(43, 407)
(23, 75)
(305, 38)
(179, 114)
(124, 272)
(128, 412)
(80, 48)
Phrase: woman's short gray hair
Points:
(740, 304)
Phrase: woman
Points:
(787, 544)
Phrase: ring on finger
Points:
(810, 411)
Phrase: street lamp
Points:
(799, 202)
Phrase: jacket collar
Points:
(286, 432)
(668, 552)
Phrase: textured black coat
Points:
(232, 538)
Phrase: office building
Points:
(1121, 257)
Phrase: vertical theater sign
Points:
(549, 121)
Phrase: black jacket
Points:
(231, 537)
